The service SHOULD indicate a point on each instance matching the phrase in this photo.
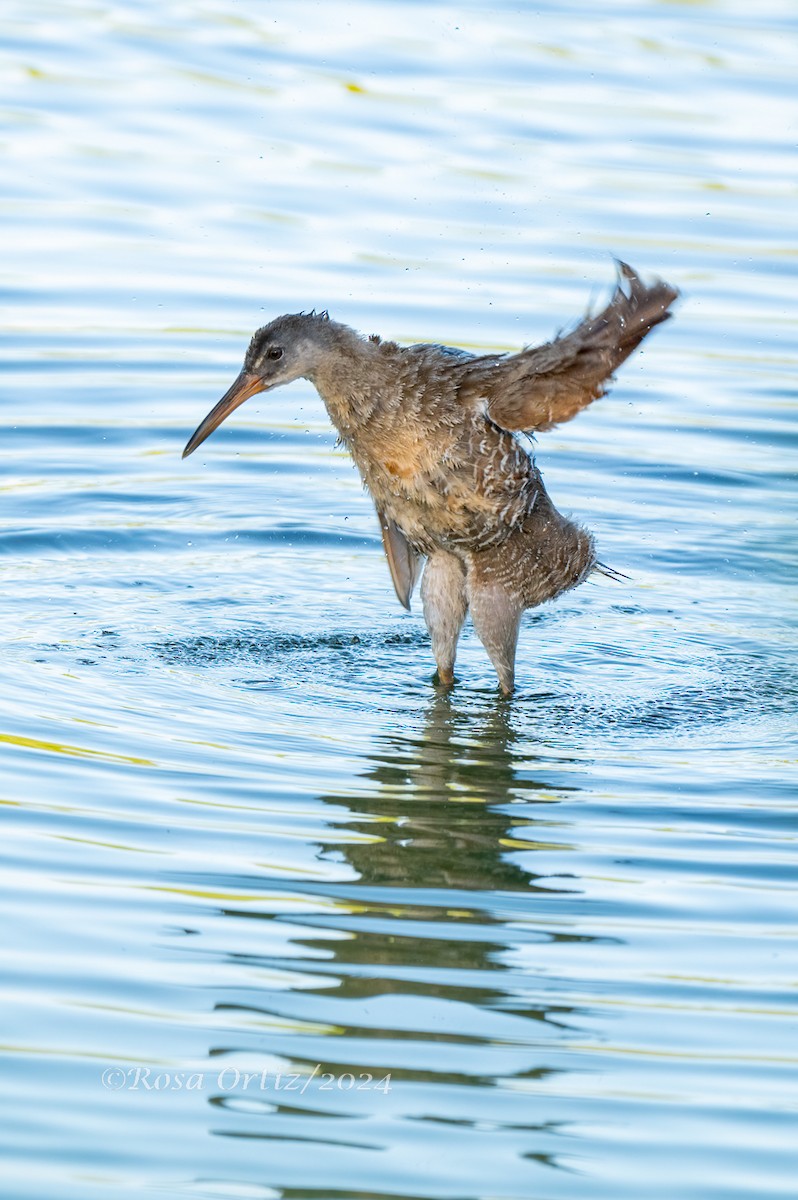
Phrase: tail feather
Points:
(609, 572)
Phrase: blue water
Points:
(280, 920)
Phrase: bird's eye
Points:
(275, 352)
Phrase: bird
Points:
(437, 434)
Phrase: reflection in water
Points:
(409, 956)
(433, 789)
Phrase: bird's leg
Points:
(443, 595)
(496, 616)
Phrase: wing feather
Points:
(404, 562)
(548, 384)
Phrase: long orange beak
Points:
(245, 386)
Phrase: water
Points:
(281, 921)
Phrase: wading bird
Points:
(434, 433)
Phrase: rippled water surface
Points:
(282, 920)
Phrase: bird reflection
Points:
(407, 969)
(441, 792)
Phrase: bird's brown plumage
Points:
(545, 385)
(433, 433)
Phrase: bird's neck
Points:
(352, 380)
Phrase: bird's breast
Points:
(463, 485)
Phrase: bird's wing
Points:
(404, 561)
(541, 387)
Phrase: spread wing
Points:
(543, 386)
(404, 561)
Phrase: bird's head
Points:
(288, 348)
